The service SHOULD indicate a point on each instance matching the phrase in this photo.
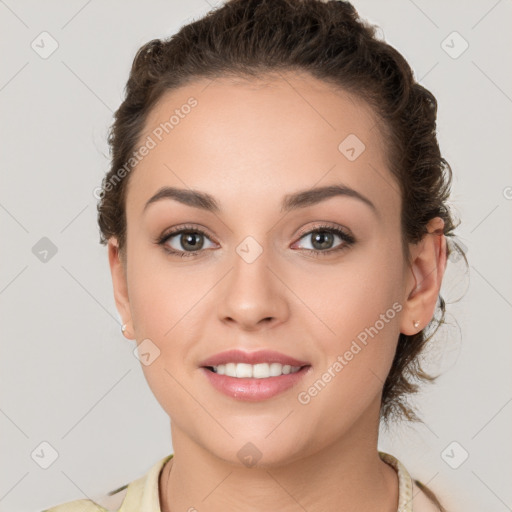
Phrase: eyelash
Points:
(348, 240)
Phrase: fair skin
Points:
(249, 146)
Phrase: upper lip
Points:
(255, 357)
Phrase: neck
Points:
(344, 476)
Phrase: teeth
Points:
(256, 371)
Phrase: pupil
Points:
(189, 240)
(324, 238)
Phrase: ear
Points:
(119, 282)
(425, 275)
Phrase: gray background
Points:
(68, 376)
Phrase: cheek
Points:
(359, 307)
(162, 305)
(163, 295)
(362, 311)
(350, 296)
(169, 304)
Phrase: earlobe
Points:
(119, 282)
(426, 274)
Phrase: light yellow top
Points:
(142, 495)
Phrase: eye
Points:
(323, 237)
(184, 241)
(187, 241)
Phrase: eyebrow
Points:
(297, 200)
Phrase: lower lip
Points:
(251, 389)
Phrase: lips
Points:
(251, 389)
(255, 357)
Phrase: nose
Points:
(253, 295)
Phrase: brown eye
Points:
(191, 241)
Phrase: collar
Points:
(142, 494)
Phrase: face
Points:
(319, 278)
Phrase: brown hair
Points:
(328, 40)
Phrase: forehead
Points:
(245, 137)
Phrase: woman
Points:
(276, 223)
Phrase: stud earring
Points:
(416, 324)
(123, 328)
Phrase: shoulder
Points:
(110, 502)
(424, 499)
(83, 505)
(413, 496)
(141, 494)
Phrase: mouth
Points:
(254, 371)
(252, 358)
(253, 376)
(256, 386)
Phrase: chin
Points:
(259, 453)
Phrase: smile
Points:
(254, 388)
(256, 371)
